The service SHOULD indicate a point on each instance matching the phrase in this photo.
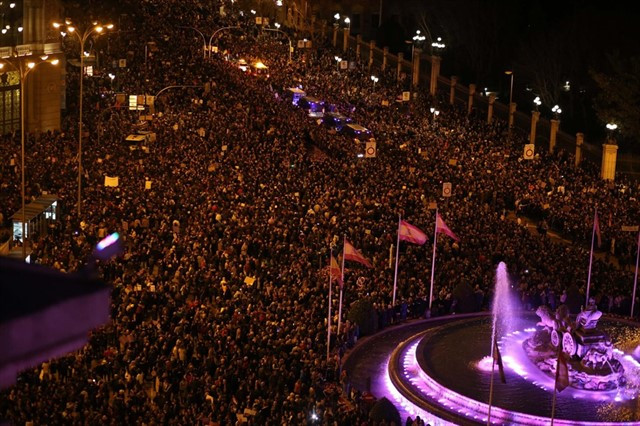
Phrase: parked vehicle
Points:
(312, 106)
(335, 120)
(356, 131)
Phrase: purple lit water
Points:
(503, 308)
(450, 356)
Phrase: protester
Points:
(219, 303)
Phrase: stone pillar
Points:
(535, 116)
(512, 111)
(345, 39)
(358, 41)
(472, 92)
(335, 36)
(435, 73)
(492, 100)
(555, 124)
(385, 53)
(609, 157)
(372, 47)
(579, 143)
(400, 59)
(415, 73)
(452, 91)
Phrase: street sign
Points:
(529, 151)
(446, 189)
(370, 150)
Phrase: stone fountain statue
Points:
(592, 363)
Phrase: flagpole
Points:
(341, 287)
(635, 279)
(555, 387)
(493, 370)
(433, 260)
(593, 236)
(395, 276)
(329, 309)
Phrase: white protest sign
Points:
(111, 181)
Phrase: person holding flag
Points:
(349, 252)
(411, 234)
(440, 227)
(334, 274)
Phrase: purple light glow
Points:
(108, 240)
(515, 360)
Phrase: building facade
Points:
(27, 34)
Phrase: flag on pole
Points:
(334, 270)
(350, 253)
(498, 359)
(411, 234)
(442, 227)
(596, 226)
(562, 372)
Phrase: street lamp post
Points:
(338, 60)
(510, 73)
(375, 80)
(82, 38)
(418, 38)
(204, 41)
(23, 69)
(214, 34)
(277, 30)
(611, 127)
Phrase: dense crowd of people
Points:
(219, 303)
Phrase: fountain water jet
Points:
(503, 309)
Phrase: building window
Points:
(375, 18)
(9, 102)
(355, 21)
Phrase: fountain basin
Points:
(437, 370)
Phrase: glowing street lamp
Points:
(277, 25)
(23, 69)
(556, 110)
(336, 16)
(338, 60)
(82, 38)
(537, 102)
(438, 45)
(348, 22)
(611, 127)
(375, 80)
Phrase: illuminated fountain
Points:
(592, 364)
(444, 374)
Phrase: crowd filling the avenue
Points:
(219, 302)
